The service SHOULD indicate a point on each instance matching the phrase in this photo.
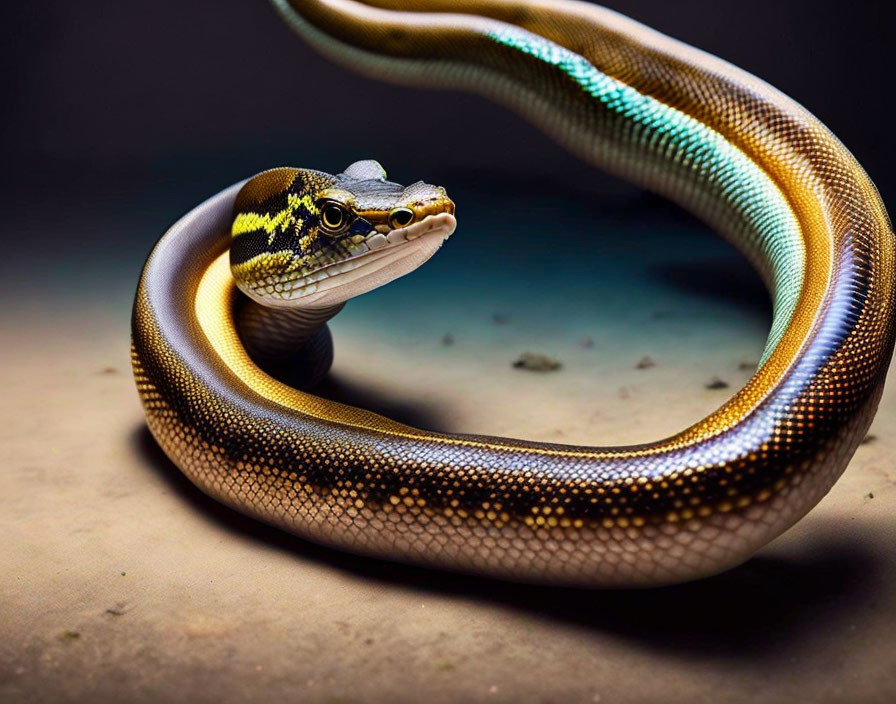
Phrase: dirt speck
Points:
(535, 362)
(108, 370)
(868, 439)
(716, 383)
(747, 366)
(446, 666)
(869, 495)
(645, 363)
(447, 340)
(586, 342)
(500, 318)
(68, 636)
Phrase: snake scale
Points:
(743, 157)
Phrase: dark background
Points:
(119, 116)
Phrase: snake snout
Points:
(435, 205)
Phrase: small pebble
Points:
(717, 383)
(645, 363)
(536, 362)
(869, 495)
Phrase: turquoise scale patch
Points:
(720, 165)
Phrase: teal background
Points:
(118, 117)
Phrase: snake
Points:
(229, 330)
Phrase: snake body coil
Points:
(726, 146)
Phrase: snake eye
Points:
(401, 217)
(333, 217)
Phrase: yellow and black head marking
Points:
(304, 237)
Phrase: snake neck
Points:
(291, 344)
(276, 334)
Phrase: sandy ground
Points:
(120, 581)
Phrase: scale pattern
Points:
(724, 145)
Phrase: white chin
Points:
(408, 248)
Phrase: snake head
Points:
(308, 238)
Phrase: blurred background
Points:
(118, 117)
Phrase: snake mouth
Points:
(378, 259)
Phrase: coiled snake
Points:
(714, 139)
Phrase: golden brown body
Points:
(745, 158)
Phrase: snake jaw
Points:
(405, 249)
(373, 262)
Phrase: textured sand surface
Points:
(121, 582)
